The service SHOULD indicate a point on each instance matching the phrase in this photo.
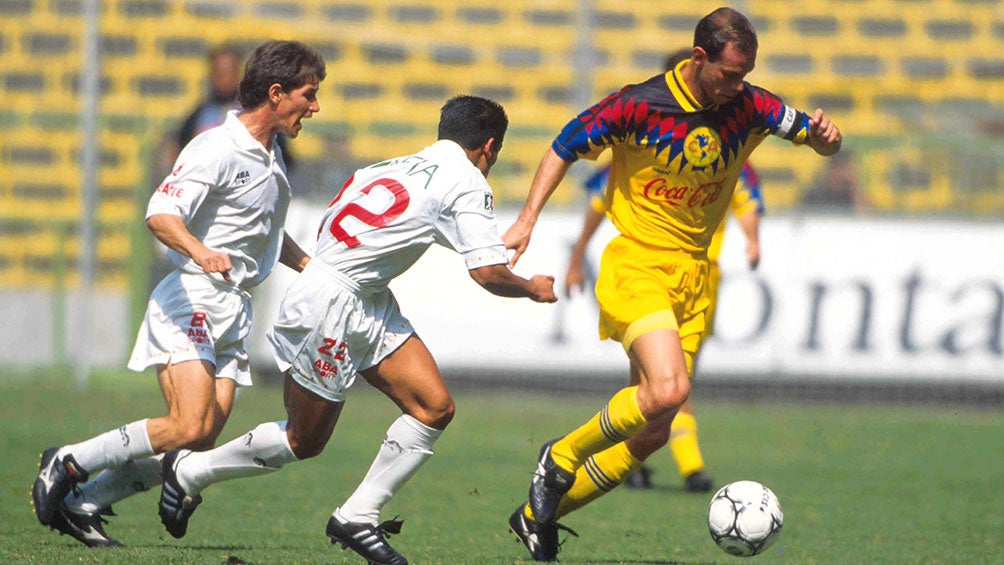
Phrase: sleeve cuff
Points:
(485, 256)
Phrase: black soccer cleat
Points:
(368, 540)
(640, 479)
(84, 527)
(698, 481)
(57, 476)
(548, 485)
(176, 506)
(540, 540)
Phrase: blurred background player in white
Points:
(747, 207)
(221, 213)
(340, 319)
(678, 142)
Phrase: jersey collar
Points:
(240, 134)
(684, 97)
(451, 147)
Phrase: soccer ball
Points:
(744, 518)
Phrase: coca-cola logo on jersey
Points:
(659, 190)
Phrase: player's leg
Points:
(139, 475)
(663, 387)
(190, 392)
(687, 451)
(683, 442)
(605, 470)
(193, 416)
(410, 377)
(265, 449)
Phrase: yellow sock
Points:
(618, 420)
(598, 476)
(683, 444)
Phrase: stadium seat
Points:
(884, 69)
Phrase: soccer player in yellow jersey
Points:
(678, 143)
(747, 207)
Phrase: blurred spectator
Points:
(836, 188)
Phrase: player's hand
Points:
(574, 276)
(542, 288)
(824, 136)
(214, 262)
(517, 238)
(753, 254)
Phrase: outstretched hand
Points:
(517, 238)
(824, 136)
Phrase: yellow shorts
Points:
(642, 288)
(711, 291)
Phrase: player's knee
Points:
(667, 395)
(437, 414)
(196, 435)
(306, 447)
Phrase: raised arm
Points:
(549, 174)
(171, 231)
(500, 281)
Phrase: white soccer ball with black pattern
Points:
(744, 518)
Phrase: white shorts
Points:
(192, 317)
(329, 329)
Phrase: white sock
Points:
(264, 449)
(115, 484)
(407, 445)
(111, 449)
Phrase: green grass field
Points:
(858, 484)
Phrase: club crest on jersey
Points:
(702, 147)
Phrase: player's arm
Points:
(175, 203)
(291, 254)
(500, 281)
(550, 172)
(750, 224)
(574, 276)
(748, 207)
(171, 231)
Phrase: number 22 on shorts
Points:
(334, 349)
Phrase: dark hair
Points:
(723, 26)
(674, 59)
(289, 64)
(471, 121)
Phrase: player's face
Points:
(722, 80)
(299, 104)
(225, 75)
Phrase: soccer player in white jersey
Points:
(339, 319)
(221, 213)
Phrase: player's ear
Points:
(699, 56)
(275, 93)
